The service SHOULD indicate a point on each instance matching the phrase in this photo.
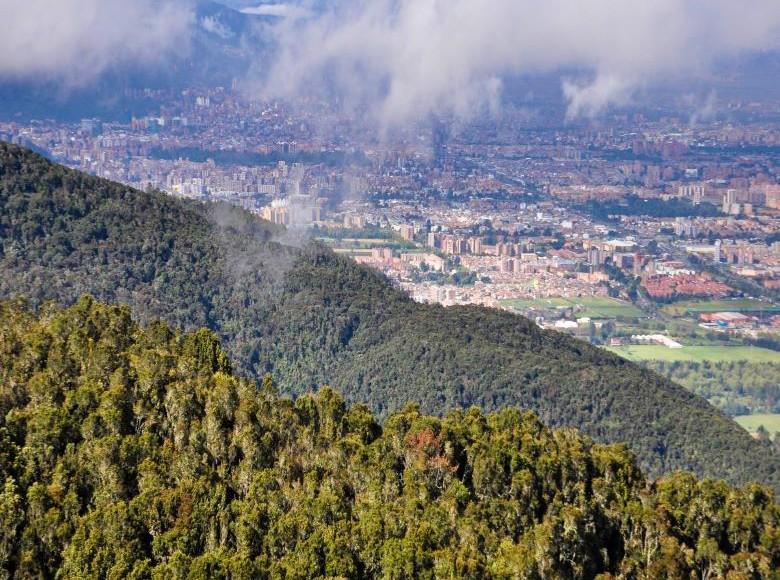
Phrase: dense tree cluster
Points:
(739, 388)
(635, 205)
(311, 317)
(136, 453)
(229, 157)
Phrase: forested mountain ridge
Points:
(130, 452)
(314, 318)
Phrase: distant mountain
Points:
(311, 318)
(131, 452)
(225, 43)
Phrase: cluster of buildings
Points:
(454, 245)
(294, 210)
(756, 261)
(664, 287)
(399, 264)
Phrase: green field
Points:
(752, 422)
(736, 305)
(368, 241)
(697, 353)
(589, 306)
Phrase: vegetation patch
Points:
(643, 352)
(736, 305)
(736, 387)
(770, 422)
(130, 452)
(586, 306)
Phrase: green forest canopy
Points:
(313, 318)
(136, 453)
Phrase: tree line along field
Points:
(649, 352)
(591, 306)
(736, 388)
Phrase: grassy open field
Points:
(735, 305)
(520, 304)
(368, 241)
(697, 353)
(752, 422)
(590, 306)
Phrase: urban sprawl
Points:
(630, 230)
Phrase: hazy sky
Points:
(407, 58)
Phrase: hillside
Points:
(314, 318)
(136, 453)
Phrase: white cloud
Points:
(75, 40)
(214, 26)
(281, 10)
(587, 99)
(407, 58)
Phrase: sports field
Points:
(697, 353)
(752, 422)
(588, 306)
(736, 305)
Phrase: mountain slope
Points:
(314, 318)
(135, 453)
